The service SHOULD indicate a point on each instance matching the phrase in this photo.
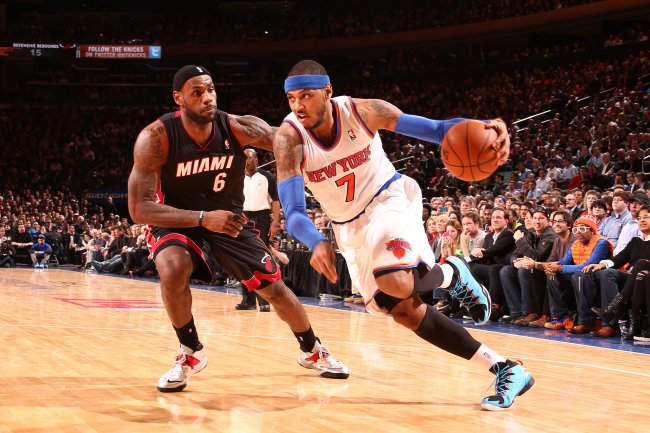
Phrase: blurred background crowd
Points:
(577, 102)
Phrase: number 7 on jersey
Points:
(349, 181)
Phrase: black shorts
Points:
(261, 222)
(244, 257)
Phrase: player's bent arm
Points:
(380, 114)
(287, 149)
(149, 155)
(252, 131)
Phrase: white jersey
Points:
(345, 177)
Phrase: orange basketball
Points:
(467, 151)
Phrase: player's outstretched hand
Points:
(323, 260)
(223, 221)
(502, 144)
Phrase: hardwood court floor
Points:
(82, 353)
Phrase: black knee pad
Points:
(387, 302)
(425, 280)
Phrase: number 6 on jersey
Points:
(219, 182)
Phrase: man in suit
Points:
(632, 161)
(608, 168)
(573, 207)
(486, 262)
(639, 182)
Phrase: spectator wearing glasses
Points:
(561, 223)
(636, 284)
(589, 248)
(571, 206)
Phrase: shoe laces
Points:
(464, 294)
(502, 377)
(325, 355)
(180, 361)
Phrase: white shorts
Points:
(388, 235)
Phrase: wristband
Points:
(201, 218)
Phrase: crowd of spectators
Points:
(108, 23)
(577, 156)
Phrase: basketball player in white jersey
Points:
(331, 146)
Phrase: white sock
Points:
(448, 273)
(486, 357)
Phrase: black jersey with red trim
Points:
(202, 177)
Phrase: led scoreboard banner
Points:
(119, 52)
(19, 49)
(126, 52)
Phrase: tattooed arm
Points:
(287, 149)
(378, 114)
(252, 131)
(149, 155)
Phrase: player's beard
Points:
(201, 118)
(319, 119)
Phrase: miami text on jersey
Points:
(200, 165)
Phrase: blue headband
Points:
(306, 82)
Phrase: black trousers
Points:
(637, 289)
(488, 275)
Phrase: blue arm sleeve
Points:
(425, 129)
(298, 225)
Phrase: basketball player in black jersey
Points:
(187, 184)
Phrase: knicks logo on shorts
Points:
(268, 263)
(398, 247)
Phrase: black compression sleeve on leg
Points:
(442, 332)
(425, 280)
(188, 336)
(307, 339)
